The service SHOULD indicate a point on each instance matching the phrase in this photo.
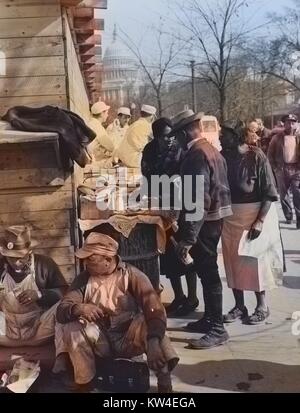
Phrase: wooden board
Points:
(41, 190)
(33, 86)
(46, 220)
(28, 178)
(56, 238)
(36, 202)
(33, 66)
(32, 101)
(62, 256)
(32, 46)
(20, 156)
(30, 27)
(29, 8)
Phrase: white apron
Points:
(257, 273)
(17, 321)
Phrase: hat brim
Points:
(185, 122)
(5, 252)
(82, 254)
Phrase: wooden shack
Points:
(50, 52)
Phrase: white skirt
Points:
(252, 273)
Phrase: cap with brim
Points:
(151, 110)
(185, 118)
(124, 111)
(99, 107)
(98, 244)
(16, 247)
(291, 117)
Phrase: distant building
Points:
(120, 74)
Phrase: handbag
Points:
(122, 375)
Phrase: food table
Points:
(142, 231)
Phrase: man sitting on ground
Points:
(112, 309)
(31, 285)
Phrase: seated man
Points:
(112, 310)
(30, 287)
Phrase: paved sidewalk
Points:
(257, 358)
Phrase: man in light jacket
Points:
(138, 135)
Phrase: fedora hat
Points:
(185, 118)
(17, 242)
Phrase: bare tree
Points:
(157, 63)
(218, 31)
(280, 57)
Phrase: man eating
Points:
(31, 285)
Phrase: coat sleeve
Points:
(74, 296)
(267, 181)
(142, 290)
(50, 281)
(189, 228)
(272, 152)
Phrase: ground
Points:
(256, 359)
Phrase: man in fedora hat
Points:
(102, 147)
(30, 287)
(112, 310)
(284, 157)
(199, 236)
(136, 138)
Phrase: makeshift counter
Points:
(142, 232)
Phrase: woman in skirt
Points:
(251, 241)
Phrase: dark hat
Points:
(17, 242)
(290, 117)
(185, 118)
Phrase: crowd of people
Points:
(111, 309)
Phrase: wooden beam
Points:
(89, 50)
(30, 27)
(84, 13)
(94, 69)
(83, 25)
(96, 4)
(70, 3)
(88, 39)
(95, 59)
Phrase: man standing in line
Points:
(200, 235)
(284, 156)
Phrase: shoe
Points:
(211, 340)
(175, 305)
(186, 309)
(289, 221)
(235, 314)
(259, 316)
(201, 326)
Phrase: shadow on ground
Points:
(241, 376)
(292, 282)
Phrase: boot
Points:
(217, 334)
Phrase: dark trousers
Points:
(205, 254)
(288, 179)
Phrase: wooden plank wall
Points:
(43, 200)
(31, 54)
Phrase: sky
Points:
(133, 16)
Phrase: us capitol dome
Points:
(120, 74)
